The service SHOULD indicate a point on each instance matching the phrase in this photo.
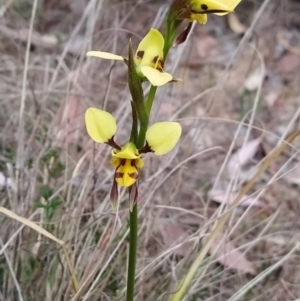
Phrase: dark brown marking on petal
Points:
(140, 54)
(119, 175)
(133, 175)
(123, 162)
(212, 11)
(132, 162)
(160, 65)
(155, 59)
(119, 165)
(204, 7)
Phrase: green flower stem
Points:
(150, 100)
(144, 123)
(142, 134)
(133, 224)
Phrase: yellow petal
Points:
(128, 151)
(100, 125)
(202, 6)
(199, 7)
(115, 162)
(150, 49)
(105, 55)
(155, 77)
(231, 5)
(163, 136)
(139, 163)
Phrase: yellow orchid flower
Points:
(148, 58)
(161, 138)
(197, 10)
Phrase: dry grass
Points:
(61, 180)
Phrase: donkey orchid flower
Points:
(149, 59)
(161, 138)
(197, 10)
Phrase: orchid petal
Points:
(163, 136)
(139, 163)
(129, 151)
(200, 8)
(231, 5)
(155, 77)
(105, 55)
(100, 125)
(150, 49)
(203, 6)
